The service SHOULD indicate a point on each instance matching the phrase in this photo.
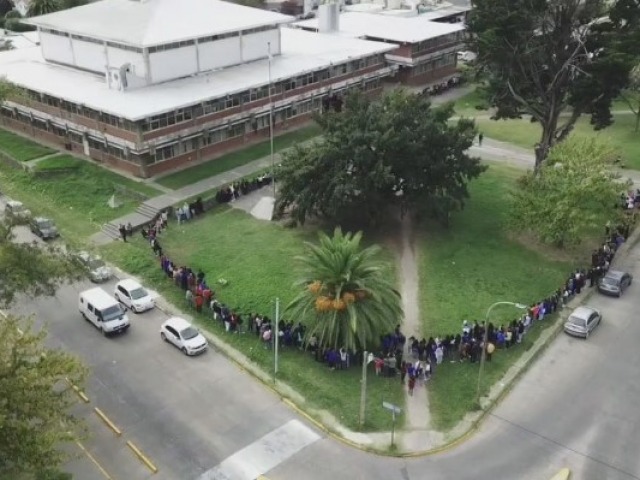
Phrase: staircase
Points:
(148, 211)
(143, 215)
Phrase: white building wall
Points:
(220, 53)
(175, 63)
(254, 46)
(56, 48)
(89, 55)
(117, 57)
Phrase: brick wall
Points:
(405, 75)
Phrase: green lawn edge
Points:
(20, 148)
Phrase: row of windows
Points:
(434, 43)
(248, 96)
(84, 38)
(260, 122)
(210, 38)
(47, 126)
(440, 62)
(210, 137)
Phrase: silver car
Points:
(582, 321)
(95, 266)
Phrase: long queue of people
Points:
(413, 359)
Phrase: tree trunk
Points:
(637, 121)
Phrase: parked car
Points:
(184, 336)
(95, 266)
(134, 296)
(16, 210)
(582, 321)
(44, 228)
(614, 283)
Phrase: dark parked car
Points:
(614, 283)
(44, 228)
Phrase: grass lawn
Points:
(463, 271)
(77, 200)
(237, 158)
(255, 258)
(20, 148)
(525, 134)
(59, 162)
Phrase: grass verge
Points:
(255, 258)
(237, 158)
(467, 268)
(20, 148)
(59, 162)
(77, 200)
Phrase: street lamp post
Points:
(485, 339)
(276, 340)
(273, 162)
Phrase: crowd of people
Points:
(413, 359)
(233, 191)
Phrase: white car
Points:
(184, 336)
(134, 296)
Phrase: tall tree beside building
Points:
(376, 153)
(551, 57)
(42, 7)
(346, 294)
(36, 398)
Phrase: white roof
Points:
(145, 23)
(301, 52)
(394, 29)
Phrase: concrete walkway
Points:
(417, 405)
(150, 208)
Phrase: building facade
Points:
(147, 100)
(425, 49)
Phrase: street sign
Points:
(390, 406)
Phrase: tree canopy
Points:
(544, 58)
(32, 269)
(574, 192)
(42, 7)
(375, 153)
(346, 293)
(34, 399)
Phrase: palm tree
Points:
(347, 297)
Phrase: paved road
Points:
(186, 414)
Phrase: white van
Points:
(104, 311)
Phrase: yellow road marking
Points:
(80, 393)
(95, 462)
(142, 457)
(563, 474)
(108, 422)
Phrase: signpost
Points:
(395, 410)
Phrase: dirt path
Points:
(417, 409)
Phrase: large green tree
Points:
(32, 269)
(374, 153)
(544, 58)
(346, 293)
(35, 399)
(574, 193)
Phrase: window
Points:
(164, 153)
(236, 130)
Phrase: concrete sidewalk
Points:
(150, 208)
